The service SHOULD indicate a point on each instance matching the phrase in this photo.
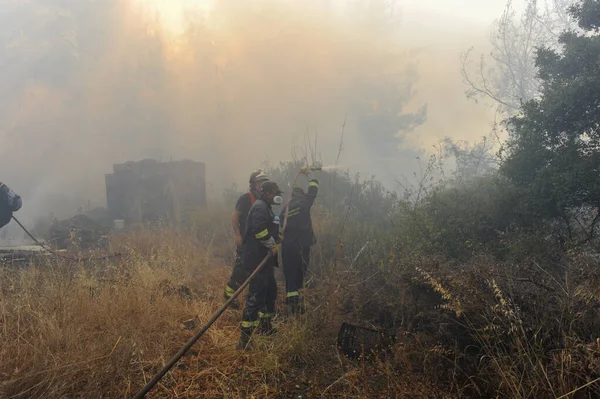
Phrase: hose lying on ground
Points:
(142, 393)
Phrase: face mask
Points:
(277, 200)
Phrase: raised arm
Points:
(313, 190)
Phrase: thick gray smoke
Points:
(88, 84)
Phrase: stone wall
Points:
(149, 190)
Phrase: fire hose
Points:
(142, 393)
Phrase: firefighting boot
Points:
(295, 305)
(266, 327)
(244, 343)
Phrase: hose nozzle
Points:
(307, 169)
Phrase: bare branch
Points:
(341, 147)
(513, 77)
(482, 87)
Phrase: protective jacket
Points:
(9, 203)
(260, 235)
(259, 238)
(299, 231)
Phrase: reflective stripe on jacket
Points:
(299, 231)
(260, 228)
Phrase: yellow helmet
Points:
(258, 176)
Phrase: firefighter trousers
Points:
(260, 302)
(238, 275)
(295, 266)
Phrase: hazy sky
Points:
(441, 29)
(445, 29)
(477, 12)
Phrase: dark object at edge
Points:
(356, 341)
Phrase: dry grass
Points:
(482, 328)
(507, 330)
(100, 330)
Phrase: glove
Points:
(270, 243)
(305, 170)
(275, 250)
(280, 236)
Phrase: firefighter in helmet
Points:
(297, 242)
(238, 221)
(260, 240)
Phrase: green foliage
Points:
(588, 15)
(458, 218)
(553, 153)
(468, 216)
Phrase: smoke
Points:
(90, 84)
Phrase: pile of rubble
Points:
(78, 232)
(21, 254)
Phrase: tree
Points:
(554, 149)
(385, 92)
(472, 160)
(511, 76)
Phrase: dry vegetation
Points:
(513, 317)
(101, 330)
(489, 276)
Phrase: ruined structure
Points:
(150, 190)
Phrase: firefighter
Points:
(260, 240)
(238, 221)
(9, 203)
(297, 242)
